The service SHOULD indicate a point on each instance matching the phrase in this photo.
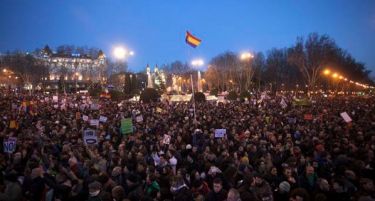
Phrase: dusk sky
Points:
(155, 29)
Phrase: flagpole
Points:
(192, 90)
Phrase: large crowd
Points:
(269, 152)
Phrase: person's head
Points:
(299, 194)
(61, 178)
(233, 195)
(323, 184)
(287, 171)
(309, 170)
(274, 171)
(217, 185)
(367, 184)
(95, 188)
(257, 179)
(198, 184)
(131, 180)
(177, 181)
(118, 193)
(338, 186)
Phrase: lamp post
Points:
(76, 74)
(197, 63)
(246, 57)
(121, 53)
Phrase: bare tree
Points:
(312, 55)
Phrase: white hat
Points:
(188, 146)
(284, 186)
(214, 169)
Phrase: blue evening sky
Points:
(155, 29)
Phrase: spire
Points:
(156, 70)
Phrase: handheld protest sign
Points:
(103, 119)
(9, 145)
(89, 137)
(85, 118)
(139, 118)
(94, 122)
(126, 126)
(55, 99)
(220, 133)
(166, 139)
(346, 117)
(308, 117)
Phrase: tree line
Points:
(299, 65)
(279, 68)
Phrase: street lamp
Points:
(246, 56)
(120, 53)
(197, 63)
(76, 74)
(326, 72)
(335, 75)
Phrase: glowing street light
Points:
(121, 53)
(326, 72)
(197, 62)
(335, 75)
(246, 56)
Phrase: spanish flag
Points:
(192, 40)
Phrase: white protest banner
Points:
(89, 137)
(220, 133)
(103, 119)
(139, 118)
(94, 122)
(55, 99)
(85, 118)
(346, 117)
(10, 145)
(166, 139)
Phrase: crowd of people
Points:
(269, 152)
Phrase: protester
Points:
(75, 147)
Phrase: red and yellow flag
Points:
(192, 40)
